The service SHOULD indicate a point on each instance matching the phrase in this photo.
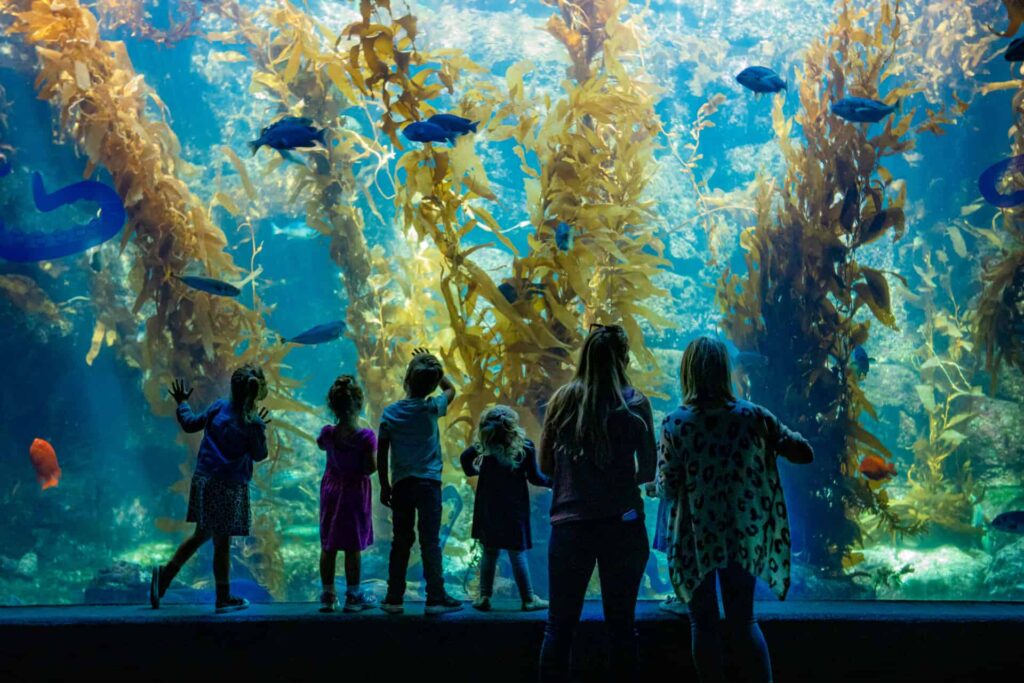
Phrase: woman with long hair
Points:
(717, 470)
(598, 446)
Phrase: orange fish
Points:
(44, 460)
(876, 468)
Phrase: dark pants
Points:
(749, 649)
(416, 503)
(619, 550)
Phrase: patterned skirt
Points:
(219, 507)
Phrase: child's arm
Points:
(447, 388)
(466, 460)
(670, 465)
(369, 461)
(189, 421)
(547, 449)
(383, 448)
(789, 444)
(533, 473)
(647, 454)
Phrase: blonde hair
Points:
(581, 408)
(704, 373)
(499, 435)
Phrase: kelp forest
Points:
(870, 285)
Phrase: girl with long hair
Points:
(598, 446)
(717, 471)
(504, 460)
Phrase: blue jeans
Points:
(520, 571)
(416, 503)
(620, 551)
(748, 645)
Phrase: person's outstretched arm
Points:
(447, 388)
(670, 467)
(647, 454)
(786, 443)
(533, 473)
(190, 421)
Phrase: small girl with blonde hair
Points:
(505, 460)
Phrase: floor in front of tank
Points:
(810, 641)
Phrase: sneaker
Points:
(328, 601)
(357, 602)
(673, 605)
(534, 604)
(443, 605)
(154, 588)
(483, 603)
(232, 604)
(392, 605)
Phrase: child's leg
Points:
(488, 566)
(353, 571)
(182, 555)
(328, 562)
(403, 520)
(428, 509)
(706, 640)
(222, 566)
(521, 573)
(748, 641)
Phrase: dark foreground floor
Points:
(833, 642)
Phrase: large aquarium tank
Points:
(864, 258)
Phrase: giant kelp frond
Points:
(999, 323)
(30, 300)
(803, 298)
(942, 490)
(183, 19)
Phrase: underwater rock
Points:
(122, 583)
(808, 583)
(937, 572)
(1004, 579)
(995, 442)
(24, 568)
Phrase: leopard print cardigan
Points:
(717, 469)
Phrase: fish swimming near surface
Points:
(862, 110)
(209, 285)
(25, 247)
(453, 123)
(1010, 522)
(988, 183)
(291, 132)
(564, 236)
(319, 334)
(423, 131)
(297, 230)
(761, 80)
(1015, 51)
(44, 461)
(876, 468)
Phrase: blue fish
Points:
(988, 183)
(861, 361)
(564, 236)
(422, 131)
(861, 109)
(1010, 522)
(291, 132)
(509, 291)
(24, 247)
(1015, 52)
(319, 334)
(453, 123)
(5, 165)
(761, 79)
(209, 285)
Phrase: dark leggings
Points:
(748, 645)
(619, 550)
(188, 548)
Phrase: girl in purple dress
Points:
(346, 521)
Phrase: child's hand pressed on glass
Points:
(179, 391)
(265, 416)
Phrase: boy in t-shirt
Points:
(409, 434)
